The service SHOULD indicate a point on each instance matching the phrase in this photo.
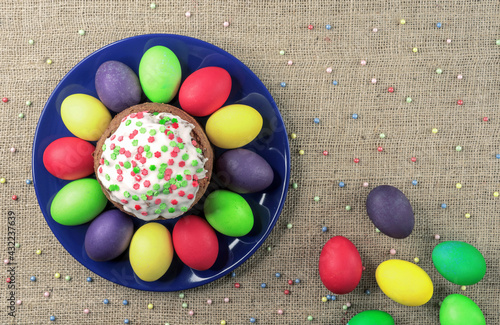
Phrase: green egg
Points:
(228, 213)
(459, 262)
(372, 317)
(78, 202)
(459, 310)
(160, 74)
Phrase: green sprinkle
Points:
(348, 208)
(316, 198)
(126, 164)
(178, 184)
(166, 191)
(289, 226)
(382, 136)
(458, 148)
(117, 166)
(171, 210)
(160, 175)
(144, 197)
(103, 147)
(157, 211)
(163, 206)
(439, 71)
(184, 209)
(117, 188)
(162, 129)
(194, 163)
(162, 121)
(295, 185)
(142, 130)
(171, 181)
(181, 145)
(149, 154)
(135, 198)
(127, 122)
(107, 177)
(113, 156)
(169, 132)
(156, 193)
(152, 132)
(184, 183)
(150, 192)
(179, 177)
(199, 170)
(106, 162)
(156, 113)
(146, 148)
(156, 187)
(138, 123)
(198, 150)
(173, 143)
(135, 142)
(187, 172)
(164, 166)
(126, 194)
(185, 157)
(164, 148)
(152, 167)
(136, 170)
(174, 120)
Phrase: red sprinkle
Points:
(140, 149)
(176, 149)
(170, 162)
(124, 119)
(101, 161)
(460, 102)
(119, 171)
(287, 292)
(119, 178)
(138, 156)
(149, 197)
(144, 213)
(194, 142)
(140, 115)
(142, 160)
(136, 186)
(144, 172)
(5, 99)
(128, 154)
(120, 163)
(100, 169)
(310, 27)
(120, 138)
(190, 196)
(174, 202)
(138, 178)
(7, 280)
(171, 136)
(173, 154)
(236, 285)
(173, 187)
(124, 201)
(391, 90)
(181, 193)
(134, 163)
(14, 197)
(137, 207)
(179, 139)
(380, 149)
(195, 177)
(157, 154)
(151, 139)
(414, 159)
(175, 125)
(133, 115)
(188, 177)
(356, 160)
(182, 163)
(147, 183)
(122, 151)
(113, 137)
(195, 183)
(157, 201)
(485, 119)
(290, 282)
(112, 146)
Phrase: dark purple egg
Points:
(108, 235)
(244, 171)
(390, 211)
(117, 86)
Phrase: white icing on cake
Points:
(151, 166)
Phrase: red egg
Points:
(205, 91)
(195, 242)
(340, 265)
(69, 158)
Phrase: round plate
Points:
(271, 144)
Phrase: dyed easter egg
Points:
(195, 242)
(404, 282)
(459, 310)
(228, 213)
(340, 265)
(244, 171)
(233, 126)
(108, 236)
(390, 211)
(372, 317)
(69, 158)
(78, 202)
(459, 262)
(151, 251)
(205, 91)
(160, 74)
(117, 86)
(85, 116)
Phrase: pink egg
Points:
(195, 242)
(340, 265)
(205, 91)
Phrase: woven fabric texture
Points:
(258, 30)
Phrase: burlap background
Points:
(258, 31)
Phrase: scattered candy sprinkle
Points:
(187, 14)
(402, 21)
(237, 285)
(153, 5)
(277, 275)
(392, 251)
(324, 229)
(414, 182)
(81, 32)
(289, 226)
(295, 185)
(209, 301)
(226, 24)
(86, 311)
(105, 301)
(150, 306)
(335, 82)
(280, 312)
(348, 208)
(282, 52)
(252, 320)
(363, 62)
(12, 149)
(463, 288)
(283, 84)
(330, 27)
(293, 136)
(341, 184)
(21, 115)
(458, 185)
(316, 198)
(48, 61)
(263, 285)
(301, 152)
(444, 206)
(191, 313)
(125, 302)
(5, 99)
(2, 180)
(52, 318)
(355, 116)
(434, 130)
(415, 50)
(226, 300)
(316, 120)
(310, 318)
(184, 305)
(89, 279)
(416, 259)
(310, 27)
(33, 278)
(437, 237)
(38, 252)
(439, 71)
(408, 99)
(438, 25)
(14, 197)
(67, 278)
(57, 275)
(46, 294)
(31, 42)
(181, 295)
(467, 215)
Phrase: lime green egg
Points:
(228, 213)
(160, 74)
(459, 262)
(460, 310)
(78, 202)
(372, 317)
(85, 116)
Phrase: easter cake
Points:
(153, 161)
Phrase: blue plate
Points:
(271, 144)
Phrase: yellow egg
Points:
(151, 251)
(233, 126)
(85, 116)
(404, 282)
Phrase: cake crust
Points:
(197, 134)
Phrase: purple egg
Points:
(117, 86)
(390, 211)
(108, 235)
(244, 171)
